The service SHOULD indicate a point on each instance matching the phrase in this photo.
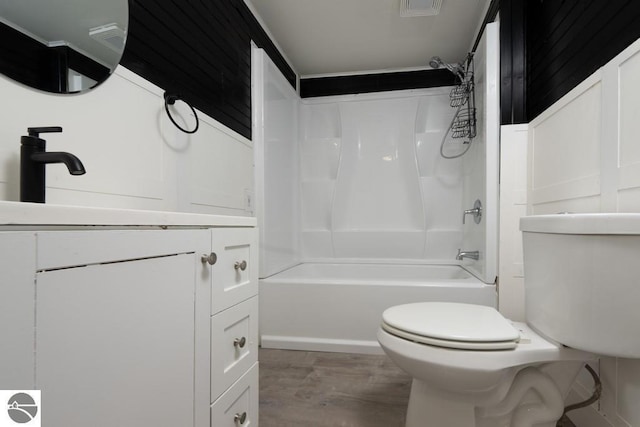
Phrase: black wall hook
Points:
(170, 99)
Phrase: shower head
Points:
(457, 69)
(436, 62)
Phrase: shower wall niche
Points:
(373, 184)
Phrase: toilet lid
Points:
(453, 325)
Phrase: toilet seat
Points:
(451, 325)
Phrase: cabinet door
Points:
(235, 274)
(115, 342)
(17, 296)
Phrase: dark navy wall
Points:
(569, 40)
(549, 46)
(342, 85)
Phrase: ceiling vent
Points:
(419, 7)
(109, 35)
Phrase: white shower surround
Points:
(373, 185)
(344, 145)
(364, 179)
(275, 118)
(372, 182)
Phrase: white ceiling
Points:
(349, 36)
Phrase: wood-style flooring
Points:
(314, 389)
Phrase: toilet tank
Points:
(582, 281)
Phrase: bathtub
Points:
(338, 307)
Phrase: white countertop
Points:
(29, 214)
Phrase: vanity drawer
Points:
(234, 344)
(238, 406)
(235, 274)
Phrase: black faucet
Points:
(34, 157)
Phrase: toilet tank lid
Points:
(583, 223)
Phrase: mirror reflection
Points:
(62, 46)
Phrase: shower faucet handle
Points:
(476, 212)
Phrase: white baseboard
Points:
(320, 344)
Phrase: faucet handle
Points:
(476, 212)
(36, 131)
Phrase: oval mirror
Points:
(62, 46)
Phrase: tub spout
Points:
(467, 254)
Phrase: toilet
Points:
(472, 367)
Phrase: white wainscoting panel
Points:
(564, 146)
(134, 157)
(628, 71)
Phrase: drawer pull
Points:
(242, 265)
(240, 418)
(240, 342)
(211, 259)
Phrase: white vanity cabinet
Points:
(125, 326)
(114, 332)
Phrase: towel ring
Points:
(170, 99)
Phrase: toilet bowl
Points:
(472, 367)
(468, 376)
